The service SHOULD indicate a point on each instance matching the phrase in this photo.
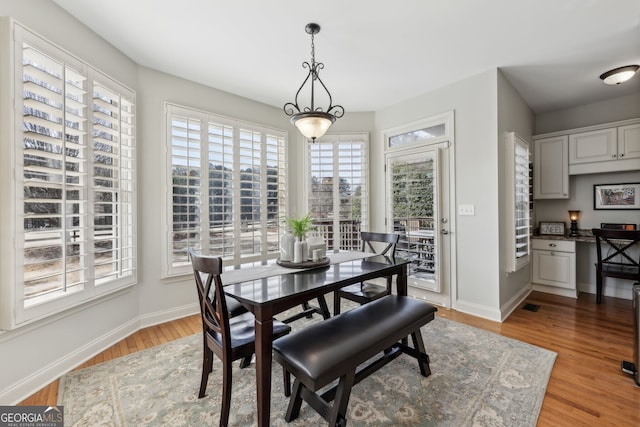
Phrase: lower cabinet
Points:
(554, 266)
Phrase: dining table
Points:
(267, 290)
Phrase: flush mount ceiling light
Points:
(619, 75)
(312, 121)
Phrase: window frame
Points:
(17, 311)
(171, 269)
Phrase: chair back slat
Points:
(213, 305)
(621, 243)
(368, 238)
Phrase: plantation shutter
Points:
(186, 167)
(113, 184)
(237, 210)
(54, 158)
(338, 189)
(221, 190)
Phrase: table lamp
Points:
(574, 216)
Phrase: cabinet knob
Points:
(622, 155)
(553, 253)
(553, 245)
(613, 156)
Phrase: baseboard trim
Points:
(514, 302)
(490, 313)
(47, 374)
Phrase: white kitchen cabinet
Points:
(605, 150)
(595, 146)
(551, 168)
(554, 266)
(629, 142)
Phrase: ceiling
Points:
(378, 52)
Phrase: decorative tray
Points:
(304, 264)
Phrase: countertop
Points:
(584, 235)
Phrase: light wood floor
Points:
(587, 387)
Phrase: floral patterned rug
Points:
(478, 379)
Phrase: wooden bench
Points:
(335, 349)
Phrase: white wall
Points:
(474, 102)
(514, 115)
(615, 109)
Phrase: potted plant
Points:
(300, 227)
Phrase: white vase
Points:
(286, 246)
(305, 250)
(297, 250)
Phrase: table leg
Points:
(264, 340)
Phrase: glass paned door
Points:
(414, 210)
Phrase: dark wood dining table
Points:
(268, 296)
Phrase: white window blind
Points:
(75, 178)
(227, 188)
(338, 196)
(517, 193)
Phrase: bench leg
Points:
(338, 415)
(295, 402)
(423, 359)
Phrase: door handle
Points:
(443, 231)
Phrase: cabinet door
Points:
(551, 168)
(595, 146)
(629, 142)
(554, 269)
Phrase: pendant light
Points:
(312, 121)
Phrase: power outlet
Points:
(466, 210)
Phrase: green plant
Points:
(300, 227)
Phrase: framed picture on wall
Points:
(616, 196)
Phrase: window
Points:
(74, 180)
(423, 134)
(226, 185)
(338, 190)
(518, 220)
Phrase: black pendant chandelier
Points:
(312, 121)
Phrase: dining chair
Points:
(618, 261)
(366, 292)
(229, 338)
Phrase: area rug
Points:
(478, 379)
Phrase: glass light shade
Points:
(313, 125)
(574, 215)
(619, 75)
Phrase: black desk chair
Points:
(366, 292)
(230, 338)
(618, 261)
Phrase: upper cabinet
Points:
(551, 168)
(629, 142)
(605, 150)
(611, 147)
(595, 146)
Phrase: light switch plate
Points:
(466, 210)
